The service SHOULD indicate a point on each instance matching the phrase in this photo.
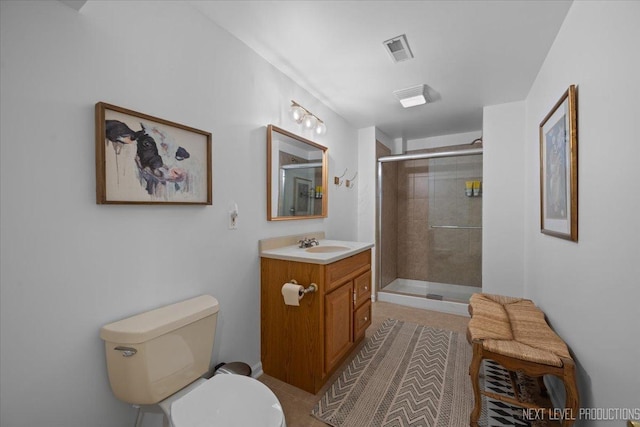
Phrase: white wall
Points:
(69, 266)
(503, 199)
(367, 170)
(385, 139)
(590, 289)
(443, 140)
(366, 191)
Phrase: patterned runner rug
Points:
(414, 375)
(405, 375)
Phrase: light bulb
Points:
(310, 121)
(321, 129)
(297, 113)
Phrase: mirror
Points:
(296, 176)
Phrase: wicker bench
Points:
(514, 333)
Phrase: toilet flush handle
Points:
(126, 351)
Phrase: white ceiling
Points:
(469, 53)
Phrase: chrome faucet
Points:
(307, 243)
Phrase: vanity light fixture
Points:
(412, 96)
(309, 120)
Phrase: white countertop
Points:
(295, 253)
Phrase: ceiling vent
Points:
(412, 96)
(398, 48)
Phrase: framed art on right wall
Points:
(559, 169)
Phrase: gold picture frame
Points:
(141, 159)
(559, 168)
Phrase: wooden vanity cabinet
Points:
(304, 345)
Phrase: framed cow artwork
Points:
(141, 159)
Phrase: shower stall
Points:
(430, 227)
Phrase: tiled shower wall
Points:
(431, 192)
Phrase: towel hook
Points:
(349, 182)
(337, 180)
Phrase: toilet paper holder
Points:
(311, 288)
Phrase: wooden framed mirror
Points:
(297, 177)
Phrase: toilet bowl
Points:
(228, 401)
(156, 361)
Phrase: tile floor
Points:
(297, 404)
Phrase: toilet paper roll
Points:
(292, 293)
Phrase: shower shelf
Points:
(462, 227)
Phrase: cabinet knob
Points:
(366, 318)
(366, 288)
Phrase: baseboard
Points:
(450, 307)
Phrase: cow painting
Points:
(118, 133)
(158, 162)
(157, 158)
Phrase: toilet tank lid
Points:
(151, 324)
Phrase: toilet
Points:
(156, 361)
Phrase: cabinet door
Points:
(338, 306)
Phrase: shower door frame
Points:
(399, 158)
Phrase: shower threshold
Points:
(442, 297)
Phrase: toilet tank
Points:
(152, 355)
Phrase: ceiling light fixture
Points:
(309, 120)
(412, 96)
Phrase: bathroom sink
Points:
(325, 249)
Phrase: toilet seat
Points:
(230, 401)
